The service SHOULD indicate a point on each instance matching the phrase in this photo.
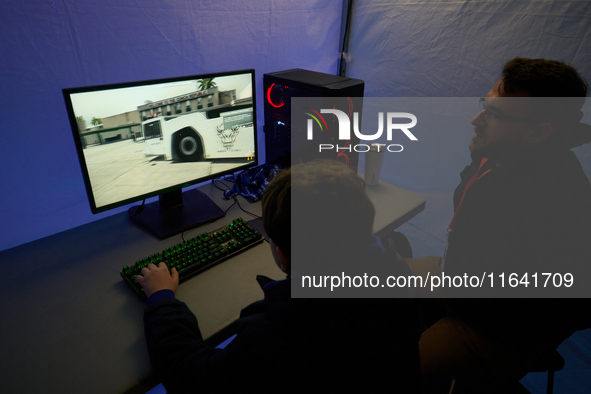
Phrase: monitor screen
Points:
(152, 138)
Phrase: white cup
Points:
(373, 163)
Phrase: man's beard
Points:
(495, 150)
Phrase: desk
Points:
(70, 323)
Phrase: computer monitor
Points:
(153, 138)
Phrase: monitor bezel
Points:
(67, 92)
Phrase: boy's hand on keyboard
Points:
(154, 279)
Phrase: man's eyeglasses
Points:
(491, 114)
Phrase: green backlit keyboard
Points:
(199, 253)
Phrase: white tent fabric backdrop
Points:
(399, 48)
(51, 45)
(455, 49)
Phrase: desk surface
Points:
(70, 323)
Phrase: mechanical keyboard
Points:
(199, 253)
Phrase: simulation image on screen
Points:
(141, 139)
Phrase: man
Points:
(531, 182)
(284, 343)
(523, 205)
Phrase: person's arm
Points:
(176, 348)
(175, 345)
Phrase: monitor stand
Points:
(176, 212)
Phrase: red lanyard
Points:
(474, 178)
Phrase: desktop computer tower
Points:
(345, 94)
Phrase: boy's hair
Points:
(328, 203)
(277, 210)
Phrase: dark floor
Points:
(576, 375)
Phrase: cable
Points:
(235, 198)
(138, 209)
(245, 211)
(345, 37)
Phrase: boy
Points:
(327, 344)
